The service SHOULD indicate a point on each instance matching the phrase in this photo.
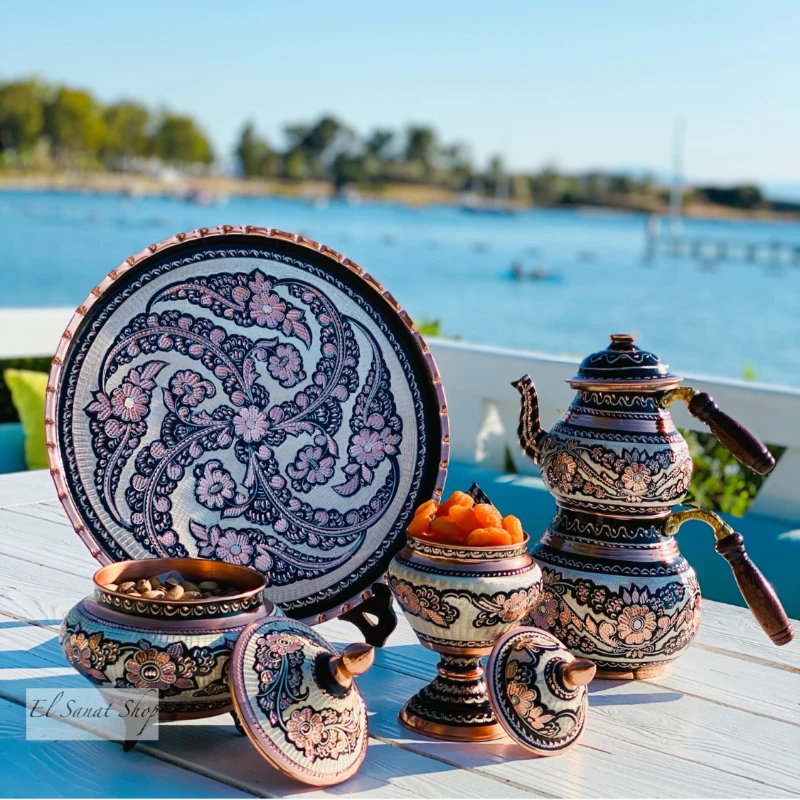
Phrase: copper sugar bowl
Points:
(180, 648)
(459, 601)
(616, 589)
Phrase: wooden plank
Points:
(19, 488)
(628, 724)
(90, 768)
(734, 630)
(35, 538)
(214, 747)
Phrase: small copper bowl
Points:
(459, 601)
(181, 649)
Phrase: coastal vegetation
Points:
(47, 129)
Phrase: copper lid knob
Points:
(576, 673)
(355, 659)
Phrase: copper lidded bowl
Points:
(459, 601)
(180, 648)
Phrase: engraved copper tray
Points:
(247, 395)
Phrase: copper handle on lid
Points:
(757, 591)
(355, 660)
(575, 673)
(732, 435)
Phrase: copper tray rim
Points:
(199, 234)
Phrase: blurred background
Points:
(524, 175)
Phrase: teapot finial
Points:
(622, 341)
(530, 433)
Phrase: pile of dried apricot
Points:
(460, 520)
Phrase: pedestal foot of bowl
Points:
(638, 674)
(378, 605)
(455, 705)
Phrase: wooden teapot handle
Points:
(732, 435)
(757, 591)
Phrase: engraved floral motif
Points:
(129, 402)
(631, 622)
(323, 734)
(564, 470)
(319, 733)
(215, 486)
(636, 624)
(250, 423)
(170, 669)
(286, 365)
(425, 602)
(89, 654)
(234, 548)
(636, 477)
(313, 466)
(189, 387)
(431, 604)
(521, 698)
(587, 472)
(257, 479)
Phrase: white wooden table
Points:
(723, 722)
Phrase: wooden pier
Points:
(710, 248)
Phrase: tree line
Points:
(40, 123)
(43, 125)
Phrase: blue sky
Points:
(581, 84)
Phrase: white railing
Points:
(484, 411)
(484, 407)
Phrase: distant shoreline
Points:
(413, 195)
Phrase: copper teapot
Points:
(616, 589)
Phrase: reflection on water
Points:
(720, 318)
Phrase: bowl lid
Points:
(297, 701)
(623, 365)
(538, 690)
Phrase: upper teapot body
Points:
(617, 450)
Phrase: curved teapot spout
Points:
(530, 433)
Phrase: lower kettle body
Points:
(616, 592)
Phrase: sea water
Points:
(727, 318)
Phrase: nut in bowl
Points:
(129, 637)
(459, 600)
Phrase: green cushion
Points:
(28, 391)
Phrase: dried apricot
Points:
(455, 499)
(427, 509)
(465, 518)
(488, 537)
(420, 524)
(488, 515)
(514, 528)
(448, 527)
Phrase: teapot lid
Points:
(538, 690)
(623, 366)
(297, 702)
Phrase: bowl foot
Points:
(455, 705)
(638, 674)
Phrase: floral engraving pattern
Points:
(538, 716)
(632, 622)
(232, 403)
(172, 670)
(431, 604)
(318, 733)
(89, 654)
(633, 476)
